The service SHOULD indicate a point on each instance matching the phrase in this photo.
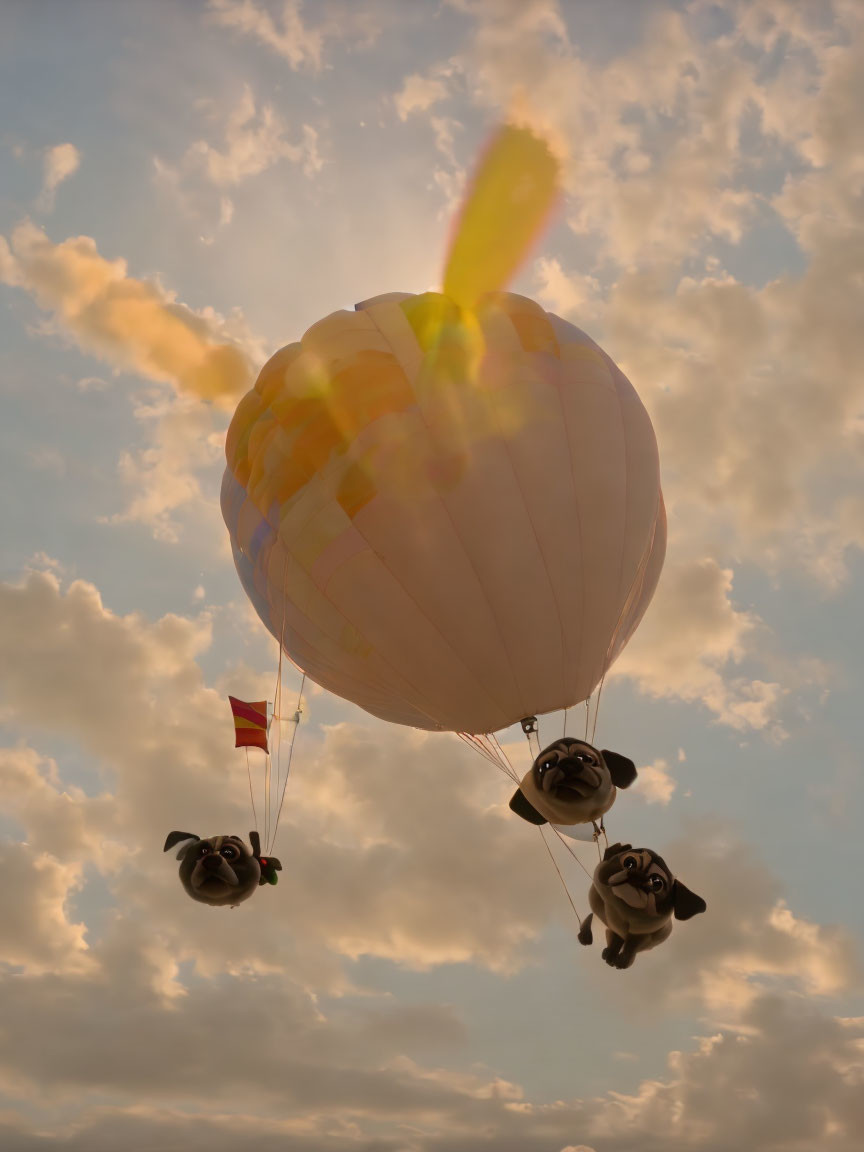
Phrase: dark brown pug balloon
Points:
(636, 897)
(222, 870)
(572, 782)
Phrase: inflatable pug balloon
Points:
(636, 896)
(222, 870)
(572, 782)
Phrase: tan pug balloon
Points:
(222, 871)
(636, 896)
(572, 782)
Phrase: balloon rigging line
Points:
(277, 692)
(251, 793)
(571, 850)
(290, 754)
(489, 747)
(266, 797)
(505, 757)
(560, 877)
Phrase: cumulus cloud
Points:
(682, 143)
(254, 141)
(135, 325)
(749, 943)
(184, 438)
(364, 874)
(291, 36)
(395, 844)
(58, 164)
(691, 635)
(37, 934)
(754, 404)
(420, 92)
(655, 783)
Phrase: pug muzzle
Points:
(221, 870)
(572, 782)
(636, 896)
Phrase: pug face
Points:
(640, 879)
(638, 889)
(218, 871)
(572, 782)
(636, 896)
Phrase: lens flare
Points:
(515, 189)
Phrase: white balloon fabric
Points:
(452, 518)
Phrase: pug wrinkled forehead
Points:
(221, 870)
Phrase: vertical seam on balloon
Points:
(576, 500)
(493, 615)
(528, 707)
(341, 613)
(474, 675)
(447, 644)
(275, 533)
(625, 445)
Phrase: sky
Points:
(185, 187)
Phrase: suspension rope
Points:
(251, 793)
(266, 797)
(560, 877)
(290, 755)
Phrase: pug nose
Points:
(212, 863)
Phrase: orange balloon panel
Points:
(452, 518)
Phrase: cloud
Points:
(689, 637)
(749, 943)
(795, 1080)
(291, 37)
(364, 875)
(421, 92)
(654, 783)
(754, 404)
(395, 844)
(137, 326)
(569, 296)
(134, 325)
(682, 146)
(37, 935)
(58, 164)
(254, 141)
(184, 439)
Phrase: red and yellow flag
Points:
(250, 723)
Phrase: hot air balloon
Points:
(446, 506)
(453, 519)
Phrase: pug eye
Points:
(204, 850)
(229, 853)
(630, 862)
(656, 883)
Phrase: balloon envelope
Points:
(452, 518)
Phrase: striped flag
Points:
(250, 723)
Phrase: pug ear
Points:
(614, 849)
(621, 768)
(522, 807)
(686, 903)
(176, 837)
(255, 843)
